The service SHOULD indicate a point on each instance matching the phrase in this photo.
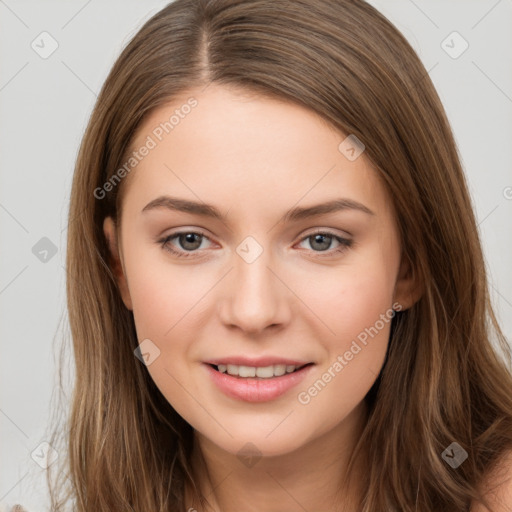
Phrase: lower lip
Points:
(254, 389)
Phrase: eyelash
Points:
(344, 243)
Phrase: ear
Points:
(408, 287)
(115, 263)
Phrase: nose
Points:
(254, 297)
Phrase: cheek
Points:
(169, 302)
(351, 298)
(165, 296)
(353, 361)
(355, 305)
(166, 307)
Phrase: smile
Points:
(256, 383)
(262, 372)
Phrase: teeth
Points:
(263, 372)
(245, 371)
(279, 369)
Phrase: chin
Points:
(249, 440)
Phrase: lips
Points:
(256, 389)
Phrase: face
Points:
(263, 287)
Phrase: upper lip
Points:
(256, 361)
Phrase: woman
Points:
(258, 369)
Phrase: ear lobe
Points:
(115, 263)
(408, 286)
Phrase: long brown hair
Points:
(442, 381)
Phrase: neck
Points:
(312, 477)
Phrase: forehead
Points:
(221, 142)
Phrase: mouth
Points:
(257, 383)
(258, 372)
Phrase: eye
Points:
(320, 241)
(189, 241)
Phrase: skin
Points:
(254, 158)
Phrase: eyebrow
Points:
(292, 215)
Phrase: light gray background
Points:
(44, 107)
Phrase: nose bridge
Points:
(256, 298)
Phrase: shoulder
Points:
(497, 487)
(4, 507)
